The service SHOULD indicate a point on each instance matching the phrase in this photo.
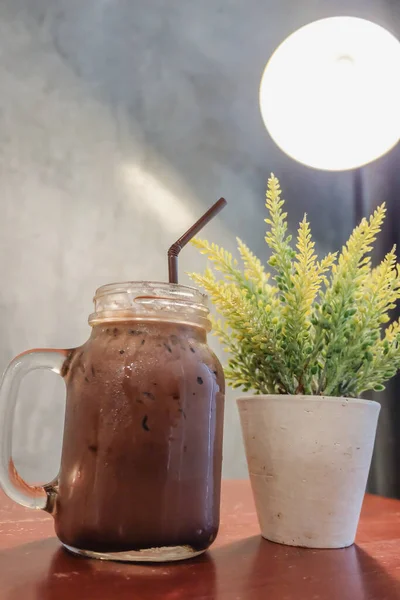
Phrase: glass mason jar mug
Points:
(141, 460)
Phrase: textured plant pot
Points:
(308, 459)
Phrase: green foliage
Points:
(314, 327)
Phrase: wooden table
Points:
(240, 565)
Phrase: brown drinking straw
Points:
(173, 252)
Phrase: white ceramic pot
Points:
(308, 459)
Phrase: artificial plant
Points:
(314, 326)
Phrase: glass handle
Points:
(32, 496)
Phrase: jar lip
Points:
(175, 289)
(150, 300)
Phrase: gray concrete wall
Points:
(120, 122)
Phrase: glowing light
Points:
(330, 94)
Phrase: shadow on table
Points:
(250, 569)
(44, 571)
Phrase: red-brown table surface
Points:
(239, 566)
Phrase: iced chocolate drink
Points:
(141, 461)
(140, 469)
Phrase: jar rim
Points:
(150, 300)
(126, 286)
